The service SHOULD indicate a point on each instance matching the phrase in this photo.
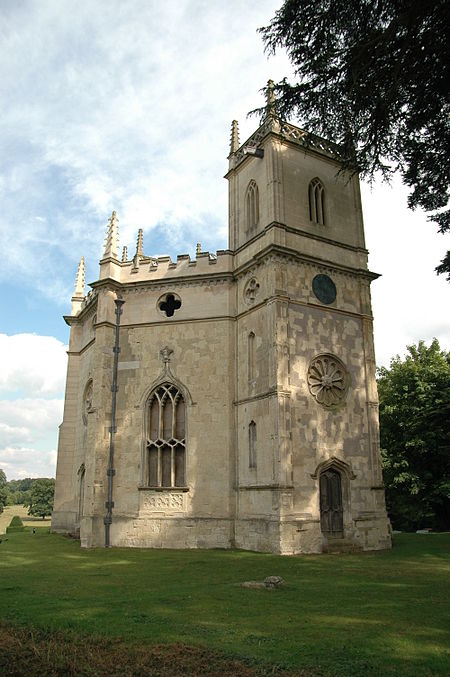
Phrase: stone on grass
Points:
(273, 582)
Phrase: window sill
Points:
(160, 489)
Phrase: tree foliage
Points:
(373, 76)
(41, 497)
(3, 490)
(19, 491)
(415, 437)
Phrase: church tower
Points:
(309, 472)
(241, 406)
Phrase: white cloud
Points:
(19, 462)
(32, 364)
(29, 420)
(32, 372)
(124, 107)
(409, 301)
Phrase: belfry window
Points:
(166, 437)
(252, 205)
(316, 195)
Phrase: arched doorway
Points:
(331, 511)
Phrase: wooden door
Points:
(331, 513)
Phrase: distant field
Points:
(29, 521)
(380, 613)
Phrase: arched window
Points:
(316, 196)
(251, 356)
(252, 446)
(166, 437)
(252, 205)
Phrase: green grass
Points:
(381, 613)
(28, 520)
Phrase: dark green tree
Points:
(415, 437)
(18, 491)
(41, 497)
(3, 490)
(373, 76)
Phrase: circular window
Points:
(324, 289)
(327, 380)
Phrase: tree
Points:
(40, 501)
(373, 76)
(415, 437)
(19, 491)
(3, 490)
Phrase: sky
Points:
(127, 105)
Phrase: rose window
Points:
(327, 380)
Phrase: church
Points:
(230, 400)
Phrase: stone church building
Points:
(230, 400)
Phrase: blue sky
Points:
(127, 106)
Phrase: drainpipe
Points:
(114, 388)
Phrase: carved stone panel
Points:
(163, 501)
(251, 291)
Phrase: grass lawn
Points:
(20, 510)
(382, 613)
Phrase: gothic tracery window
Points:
(316, 195)
(166, 437)
(252, 205)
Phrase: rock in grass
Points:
(253, 584)
(270, 583)
(273, 582)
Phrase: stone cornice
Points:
(303, 233)
(286, 253)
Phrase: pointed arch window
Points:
(166, 437)
(316, 195)
(252, 205)
(252, 445)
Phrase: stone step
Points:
(340, 545)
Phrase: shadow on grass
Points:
(372, 613)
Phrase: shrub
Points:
(16, 524)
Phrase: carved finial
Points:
(198, 249)
(234, 144)
(125, 254)
(140, 243)
(270, 99)
(112, 237)
(80, 281)
(165, 354)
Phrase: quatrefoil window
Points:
(169, 304)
